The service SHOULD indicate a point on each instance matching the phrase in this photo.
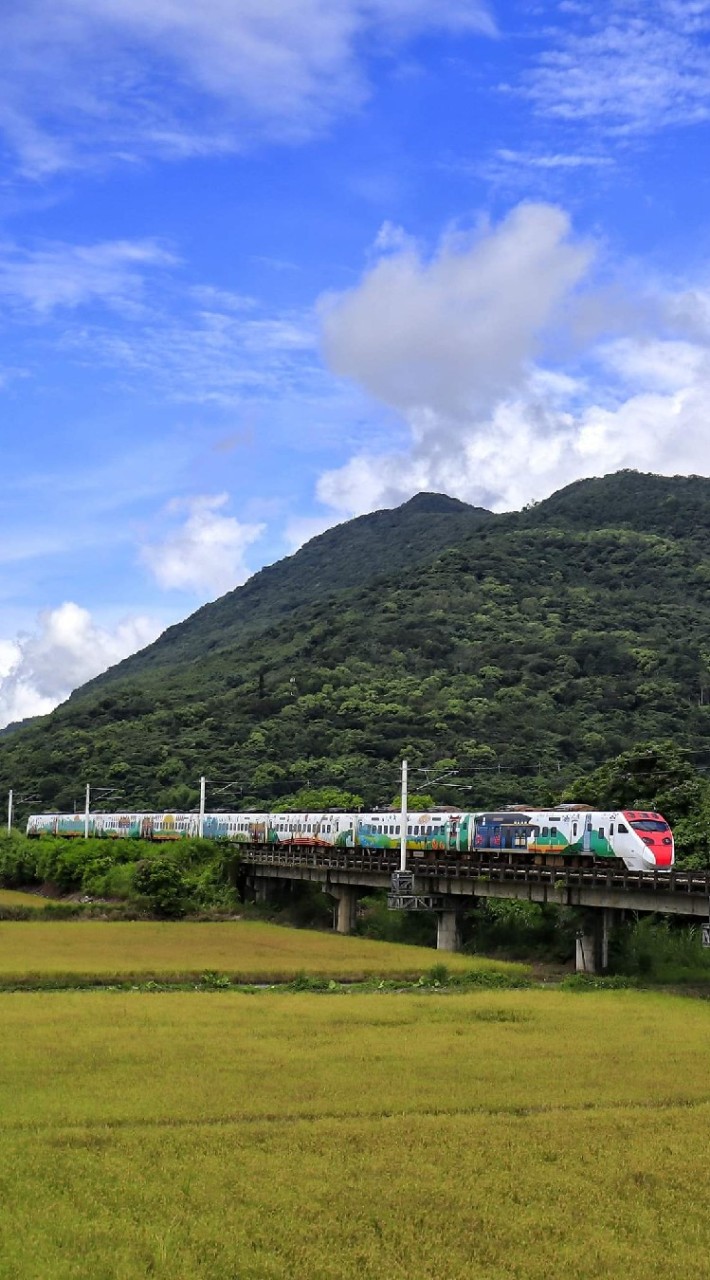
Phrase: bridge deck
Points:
(455, 869)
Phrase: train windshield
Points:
(649, 824)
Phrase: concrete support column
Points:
(266, 889)
(345, 907)
(592, 952)
(448, 930)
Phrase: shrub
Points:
(161, 883)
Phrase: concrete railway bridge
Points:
(447, 886)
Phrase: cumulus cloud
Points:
(463, 346)
(205, 553)
(180, 78)
(40, 669)
(455, 332)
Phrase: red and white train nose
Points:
(656, 837)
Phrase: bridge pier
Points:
(345, 907)
(448, 930)
(592, 950)
(266, 889)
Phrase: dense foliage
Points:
(168, 882)
(522, 651)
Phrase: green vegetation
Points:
(523, 650)
(497, 1134)
(167, 881)
(655, 950)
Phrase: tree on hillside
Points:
(658, 776)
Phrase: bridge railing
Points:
(445, 866)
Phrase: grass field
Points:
(490, 1136)
(246, 950)
(13, 898)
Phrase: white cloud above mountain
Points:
(465, 347)
(205, 553)
(39, 668)
(452, 333)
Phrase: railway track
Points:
(386, 862)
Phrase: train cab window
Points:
(621, 829)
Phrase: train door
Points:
(460, 836)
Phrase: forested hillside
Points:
(522, 650)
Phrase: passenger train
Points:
(638, 840)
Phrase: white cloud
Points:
(40, 670)
(463, 348)
(529, 447)
(553, 160)
(217, 354)
(654, 364)
(204, 554)
(181, 78)
(65, 275)
(454, 333)
(635, 66)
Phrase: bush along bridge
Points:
(447, 886)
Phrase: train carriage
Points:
(639, 840)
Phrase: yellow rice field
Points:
(516, 1135)
(246, 950)
(13, 898)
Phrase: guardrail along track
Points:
(447, 867)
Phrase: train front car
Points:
(643, 840)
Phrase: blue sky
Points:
(269, 264)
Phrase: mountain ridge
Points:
(525, 645)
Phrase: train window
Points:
(545, 831)
(553, 831)
(611, 828)
(601, 833)
(398, 830)
(409, 830)
(574, 828)
(622, 830)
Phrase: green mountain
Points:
(521, 650)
